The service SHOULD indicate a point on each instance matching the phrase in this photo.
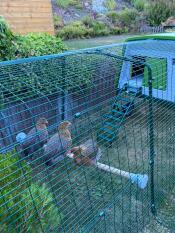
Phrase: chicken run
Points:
(95, 128)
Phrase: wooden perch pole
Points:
(139, 179)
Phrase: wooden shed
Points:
(28, 16)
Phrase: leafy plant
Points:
(57, 20)
(38, 44)
(139, 4)
(99, 29)
(116, 30)
(110, 4)
(17, 46)
(124, 18)
(95, 27)
(47, 213)
(73, 30)
(24, 205)
(87, 28)
(88, 21)
(6, 41)
(14, 178)
(160, 11)
(127, 16)
(67, 3)
(113, 16)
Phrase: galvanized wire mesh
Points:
(121, 97)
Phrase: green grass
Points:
(94, 42)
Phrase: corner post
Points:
(63, 97)
(151, 140)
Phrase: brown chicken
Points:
(58, 145)
(87, 153)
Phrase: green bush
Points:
(47, 213)
(110, 4)
(116, 30)
(6, 41)
(73, 30)
(139, 4)
(12, 182)
(57, 20)
(127, 17)
(99, 29)
(95, 28)
(67, 3)
(123, 18)
(38, 44)
(17, 46)
(113, 16)
(86, 28)
(88, 21)
(159, 11)
(79, 5)
(17, 210)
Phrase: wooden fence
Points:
(149, 29)
(26, 16)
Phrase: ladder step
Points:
(111, 117)
(111, 124)
(124, 99)
(118, 105)
(133, 90)
(128, 106)
(106, 130)
(114, 119)
(118, 112)
(106, 138)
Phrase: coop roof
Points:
(160, 36)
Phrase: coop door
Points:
(159, 73)
(137, 72)
(137, 67)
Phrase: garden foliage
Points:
(24, 204)
(66, 3)
(159, 11)
(6, 41)
(38, 44)
(16, 46)
(110, 4)
(118, 19)
(139, 4)
(87, 28)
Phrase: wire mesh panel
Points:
(86, 139)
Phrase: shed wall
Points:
(28, 16)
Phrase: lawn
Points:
(94, 42)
